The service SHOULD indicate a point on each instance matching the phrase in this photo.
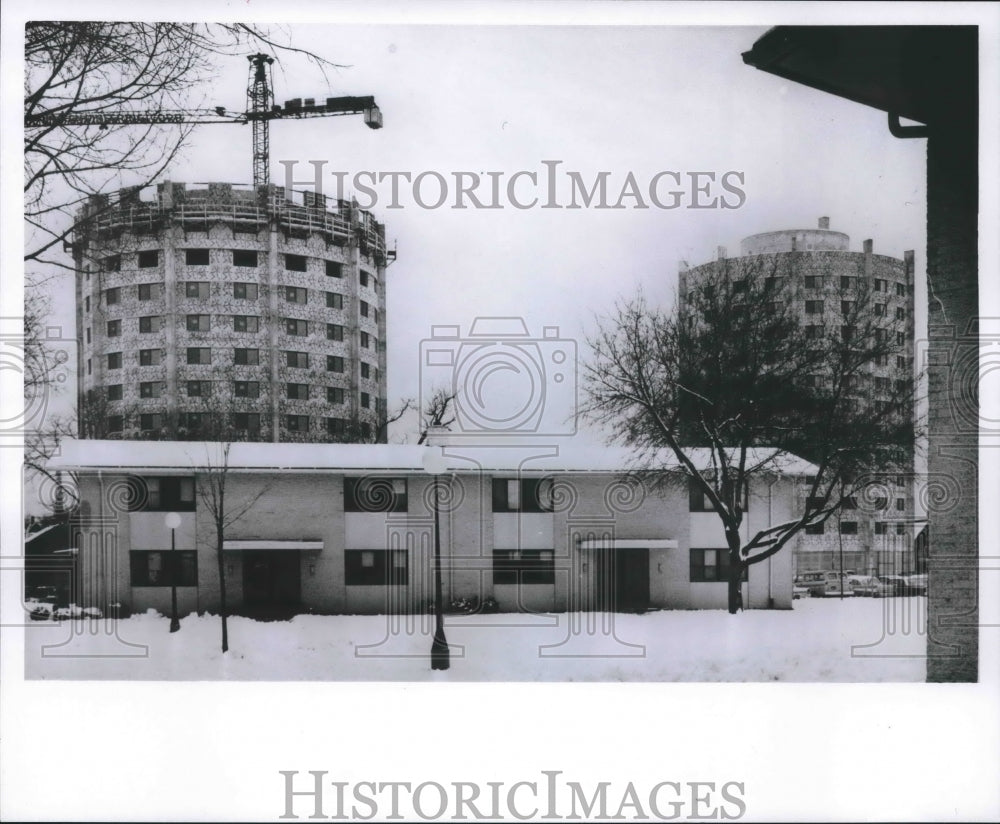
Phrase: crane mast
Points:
(260, 101)
(260, 111)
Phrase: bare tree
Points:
(733, 370)
(356, 430)
(224, 510)
(437, 412)
(94, 67)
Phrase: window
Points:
(112, 295)
(112, 263)
(710, 565)
(336, 426)
(246, 357)
(365, 370)
(900, 290)
(524, 566)
(881, 527)
(249, 421)
(199, 323)
(116, 423)
(297, 360)
(297, 423)
(159, 568)
(334, 332)
(900, 504)
(299, 328)
(199, 355)
(244, 257)
(900, 338)
(150, 291)
(881, 360)
(295, 263)
(193, 421)
(150, 357)
(245, 291)
(246, 389)
(297, 391)
(150, 323)
(115, 392)
(881, 335)
(848, 527)
(814, 529)
(879, 285)
(114, 328)
(114, 360)
(334, 269)
(900, 362)
(900, 529)
(199, 389)
(364, 309)
(366, 400)
(365, 340)
(847, 306)
(196, 289)
(740, 286)
(698, 501)
(813, 281)
(814, 307)
(522, 495)
(814, 332)
(879, 310)
(363, 277)
(150, 389)
(296, 294)
(246, 323)
(848, 282)
(334, 363)
(86, 304)
(334, 394)
(334, 300)
(376, 567)
(162, 494)
(149, 259)
(846, 332)
(900, 313)
(375, 495)
(151, 422)
(196, 257)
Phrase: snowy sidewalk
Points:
(857, 639)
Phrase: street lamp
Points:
(435, 464)
(173, 520)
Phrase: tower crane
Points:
(260, 111)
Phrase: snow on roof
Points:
(570, 456)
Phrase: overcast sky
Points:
(502, 99)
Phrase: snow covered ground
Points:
(856, 639)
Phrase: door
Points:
(623, 580)
(632, 579)
(271, 578)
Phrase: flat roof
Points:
(176, 457)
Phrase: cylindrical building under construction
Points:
(212, 309)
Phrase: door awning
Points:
(626, 543)
(304, 544)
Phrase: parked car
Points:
(823, 584)
(897, 583)
(870, 586)
(915, 584)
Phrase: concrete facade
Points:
(194, 302)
